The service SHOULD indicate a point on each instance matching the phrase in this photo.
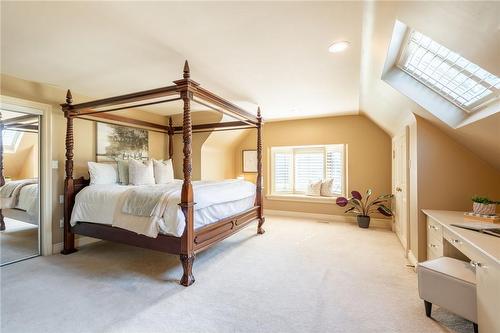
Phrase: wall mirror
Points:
(19, 186)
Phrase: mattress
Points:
(97, 204)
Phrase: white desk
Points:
(482, 250)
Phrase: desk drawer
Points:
(434, 250)
(470, 252)
(434, 232)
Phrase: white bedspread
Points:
(214, 201)
(28, 199)
(11, 192)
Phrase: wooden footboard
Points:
(215, 232)
(204, 237)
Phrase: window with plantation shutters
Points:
(294, 168)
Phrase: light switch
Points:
(61, 199)
(55, 164)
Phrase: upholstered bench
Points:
(450, 284)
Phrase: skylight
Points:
(462, 82)
(11, 140)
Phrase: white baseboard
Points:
(80, 241)
(412, 259)
(375, 222)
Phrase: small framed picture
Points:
(249, 161)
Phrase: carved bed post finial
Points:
(2, 178)
(170, 138)
(258, 185)
(186, 70)
(69, 97)
(69, 237)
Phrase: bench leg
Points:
(476, 329)
(428, 308)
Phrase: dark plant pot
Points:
(363, 221)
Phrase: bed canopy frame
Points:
(191, 241)
(24, 123)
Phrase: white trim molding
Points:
(411, 258)
(79, 241)
(375, 222)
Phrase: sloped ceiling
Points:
(469, 28)
(272, 54)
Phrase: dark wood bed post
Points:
(258, 194)
(2, 178)
(187, 239)
(170, 138)
(69, 237)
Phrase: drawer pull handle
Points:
(476, 264)
(433, 245)
(456, 241)
(433, 227)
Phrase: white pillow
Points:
(164, 171)
(123, 171)
(327, 188)
(140, 173)
(103, 173)
(314, 188)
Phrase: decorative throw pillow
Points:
(327, 188)
(123, 171)
(103, 173)
(164, 171)
(140, 173)
(314, 188)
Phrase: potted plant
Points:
(363, 208)
(483, 205)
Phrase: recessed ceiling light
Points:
(339, 46)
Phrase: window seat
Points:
(301, 198)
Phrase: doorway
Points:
(400, 181)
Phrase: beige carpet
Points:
(301, 276)
(19, 240)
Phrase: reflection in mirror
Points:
(19, 191)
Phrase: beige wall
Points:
(217, 154)
(448, 176)
(24, 162)
(200, 117)
(368, 162)
(84, 134)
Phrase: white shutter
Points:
(309, 166)
(282, 167)
(294, 168)
(335, 167)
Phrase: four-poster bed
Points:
(192, 240)
(24, 188)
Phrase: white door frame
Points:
(406, 133)
(45, 110)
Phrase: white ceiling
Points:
(272, 54)
(268, 54)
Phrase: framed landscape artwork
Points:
(115, 141)
(249, 161)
